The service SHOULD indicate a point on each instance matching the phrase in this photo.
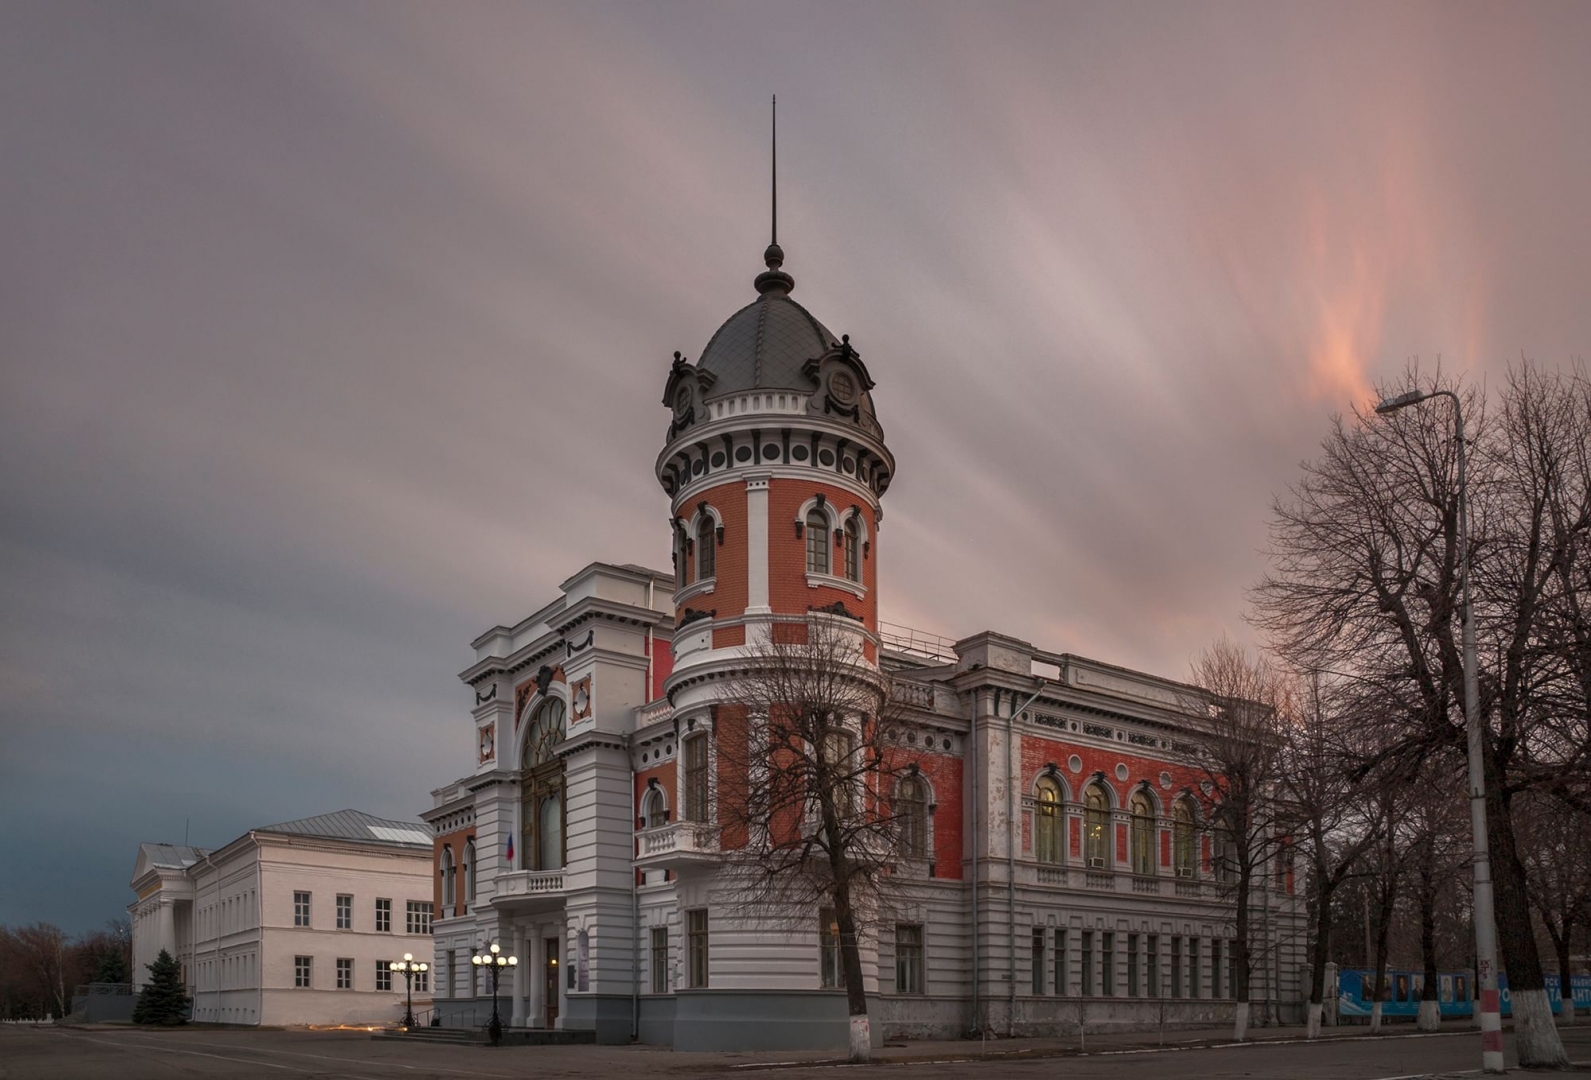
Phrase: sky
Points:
(332, 335)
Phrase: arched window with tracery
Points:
(1182, 838)
(469, 873)
(817, 529)
(1096, 827)
(449, 890)
(706, 549)
(853, 549)
(911, 817)
(1141, 834)
(541, 789)
(1047, 832)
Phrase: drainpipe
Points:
(1010, 851)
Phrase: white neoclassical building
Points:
(1060, 866)
(292, 923)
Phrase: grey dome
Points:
(764, 345)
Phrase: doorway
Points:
(551, 981)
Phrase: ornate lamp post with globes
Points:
(495, 962)
(408, 968)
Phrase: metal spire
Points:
(773, 278)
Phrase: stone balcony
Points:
(676, 844)
(525, 889)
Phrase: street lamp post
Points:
(495, 962)
(408, 968)
(1485, 920)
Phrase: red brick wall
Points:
(944, 773)
(662, 666)
(728, 597)
(455, 840)
(788, 592)
(729, 731)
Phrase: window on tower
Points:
(706, 549)
(817, 530)
(853, 549)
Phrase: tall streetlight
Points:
(408, 968)
(1485, 924)
(494, 961)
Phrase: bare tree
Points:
(807, 775)
(1365, 579)
(41, 951)
(1237, 756)
(1323, 812)
(1556, 846)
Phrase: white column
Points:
(517, 1010)
(757, 546)
(538, 978)
(563, 974)
(168, 927)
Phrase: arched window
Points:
(1141, 841)
(654, 809)
(1096, 826)
(1047, 822)
(541, 783)
(469, 873)
(1182, 839)
(449, 890)
(706, 549)
(696, 786)
(911, 817)
(817, 542)
(853, 549)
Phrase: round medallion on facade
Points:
(1165, 781)
(1121, 771)
(1074, 763)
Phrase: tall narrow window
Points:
(696, 778)
(449, 881)
(417, 916)
(853, 549)
(1061, 974)
(1132, 965)
(1096, 827)
(1215, 967)
(302, 966)
(1048, 822)
(345, 911)
(839, 749)
(301, 909)
(1225, 853)
(1153, 966)
(1182, 838)
(706, 549)
(1086, 958)
(345, 973)
(384, 915)
(383, 975)
(911, 817)
(696, 928)
(469, 873)
(1107, 963)
(1142, 840)
(659, 959)
(1193, 967)
(831, 963)
(908, 959)
(1039, 951)
(817, 530)
(1176, 966)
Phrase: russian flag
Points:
(509, 854)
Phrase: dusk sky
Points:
(333, 334)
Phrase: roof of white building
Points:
(357, 825)
(171, 856)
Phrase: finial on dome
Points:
(774, 279)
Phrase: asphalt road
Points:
(127, 1054)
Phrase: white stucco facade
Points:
(346, 892)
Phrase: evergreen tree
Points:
(112, 967)
(162, 1001)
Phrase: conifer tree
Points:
(162, 1001)
(112, 966)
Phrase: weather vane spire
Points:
(773, 278)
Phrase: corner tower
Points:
(775, 464)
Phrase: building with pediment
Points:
(1062, 867)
